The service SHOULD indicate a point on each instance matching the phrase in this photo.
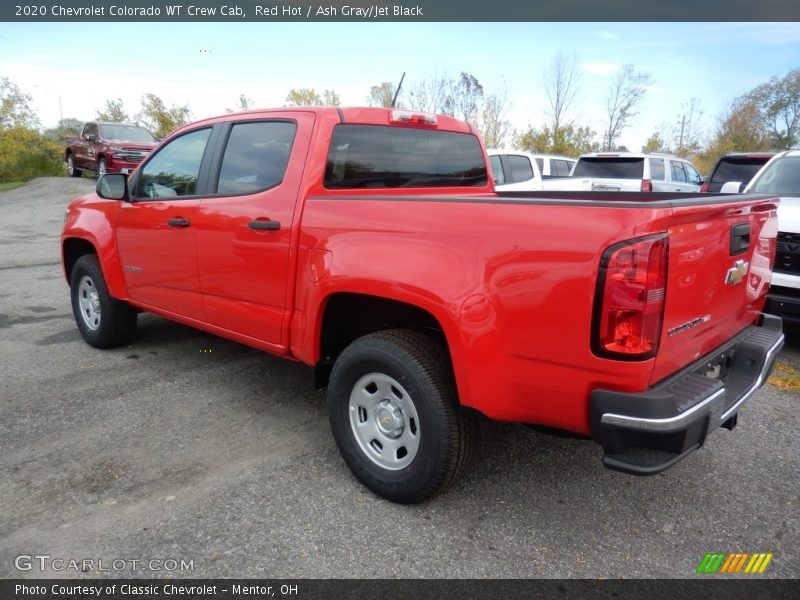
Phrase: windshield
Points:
(128, 133)
(622, 167)
(781, 177)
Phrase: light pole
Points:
(60, 107)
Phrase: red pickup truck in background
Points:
(369, 243)
(106, 147)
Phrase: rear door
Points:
(245, 225)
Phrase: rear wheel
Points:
(71, 168)
(394, 413)
(103, 321)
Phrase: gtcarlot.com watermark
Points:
(45, 562)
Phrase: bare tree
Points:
(433, 94)
(562, 82)
(493, 122)
(467, 94)
(626, 92)
(687, 129)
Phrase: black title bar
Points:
(421, 10)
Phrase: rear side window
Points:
(692, 176)
(372, 156)
(540, 163)
(561, 168)
(621, 167)
(521, 169)
(657, 169)
(497, 169)
(255, 156)
(737, 169)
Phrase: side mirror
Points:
(731, 187)
(113, 186)
(90, 137)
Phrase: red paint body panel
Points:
(510, 279)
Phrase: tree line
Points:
(765, 118)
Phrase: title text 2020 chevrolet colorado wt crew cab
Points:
(370, 244)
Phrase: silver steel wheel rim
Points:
(89, 303)
(384, 421)
(101, 168)
(70, 166)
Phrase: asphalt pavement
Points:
(190, 456)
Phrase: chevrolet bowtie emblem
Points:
(737, 272)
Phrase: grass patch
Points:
(785, 377)
(11, 185)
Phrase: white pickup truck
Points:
(781, 176)
(518, 171)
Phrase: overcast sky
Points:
(207, 66)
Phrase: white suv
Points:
(638, 172)
(519, 171)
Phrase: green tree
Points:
(15, 107)
(309, 97)
(114, 111)
(65, 128)
(25, 154)
(381, 94)
(569, 140)
(655, 143)
(160, 119)
(778, 103)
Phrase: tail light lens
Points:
(704, 187)
(629, 301)
(647, 185)
(407, 117)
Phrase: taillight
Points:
(704, 187)
(629, 301)
(647, 185)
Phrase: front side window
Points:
(173, 171)
(256, 156)
(521, 169)
(379, 156)
(678, 174)
(90, 129)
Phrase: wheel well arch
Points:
(349, 316)
(72, 250)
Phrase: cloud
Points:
(600, 68)
(607, 35)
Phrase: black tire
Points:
(446, 435)
(102, 167)
(103, 321)
(72, 170)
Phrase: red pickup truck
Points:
(108, 148)
(370, 244)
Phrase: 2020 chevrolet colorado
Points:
(370, 244)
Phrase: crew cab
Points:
(781, 176)
(370, 244)
(519, 171)
(637, 172)
(105, 147)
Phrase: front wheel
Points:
(103, 321)
(71, 168)
(102, 167)
(393, 409)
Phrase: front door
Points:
(157, 230)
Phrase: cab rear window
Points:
(371, 156)
(618, 167)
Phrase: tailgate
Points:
(567, 184)
(616, 185)
(720, 258)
